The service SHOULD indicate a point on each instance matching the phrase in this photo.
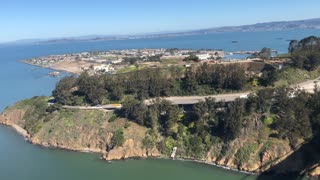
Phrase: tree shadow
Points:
(298, 164)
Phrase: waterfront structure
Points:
(203, 57)
(103, 68)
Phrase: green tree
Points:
(292, 117)
(192, 57)
(314, 105)
(195, 147)
(205, 112)
(117, 138)
(167, 145)
(264, 100)
(235, 77)
(152, 119)
(265, 53)
(150, 140)
(243, 154)
(169, 116)
(133, 109)
(233, 121)
(63, 93)
(292, 46)
(305, 53)
(268, 77)
(190, 84)
(92, 88)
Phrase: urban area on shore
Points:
(123, 61)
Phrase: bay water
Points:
(22, 161)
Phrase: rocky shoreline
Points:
(219, 166)
(27, 137)
(49, 68)
(103, 153)
(95, 142)
(24, 133)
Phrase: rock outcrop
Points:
(84, 137)
(90, 131)
(131, 149)
(315, 171)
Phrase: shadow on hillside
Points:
(298, 164)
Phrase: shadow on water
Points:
(298, 164)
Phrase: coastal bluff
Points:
(93, 130)
(74, 130)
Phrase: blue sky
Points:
(24, 19)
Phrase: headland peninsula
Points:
(123, 61)
(272, 129)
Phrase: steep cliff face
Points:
(133, 146)
(315, 171)
(247, 155)
(92, 131)
(88, 131)
(13, 117)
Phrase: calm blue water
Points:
(20, 81)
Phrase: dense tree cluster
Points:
(307, 44)
(265, 54)
(268, 77)
(91, 87)
(63, 92)
(292, 116)
(132, 60)
(217, 77)
(117, 138)
(287, 114)
(148, 83)
(192, 57)
(190, 130)
(34, 115)
(305, 53)
(135, 60)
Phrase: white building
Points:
(203, 57)
(116, 61)
(216, 54)
(103, 67)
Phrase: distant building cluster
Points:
(108, 59)
(104, 68)
(51, 59)
(210, 55)
(203, 55)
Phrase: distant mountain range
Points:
(268, 26)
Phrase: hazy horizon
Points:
(59, 19)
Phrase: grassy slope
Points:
(75, 129)
(290, 76)
(253, 150)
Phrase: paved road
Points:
(183, 100)
(308, 85)
(108, 107)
